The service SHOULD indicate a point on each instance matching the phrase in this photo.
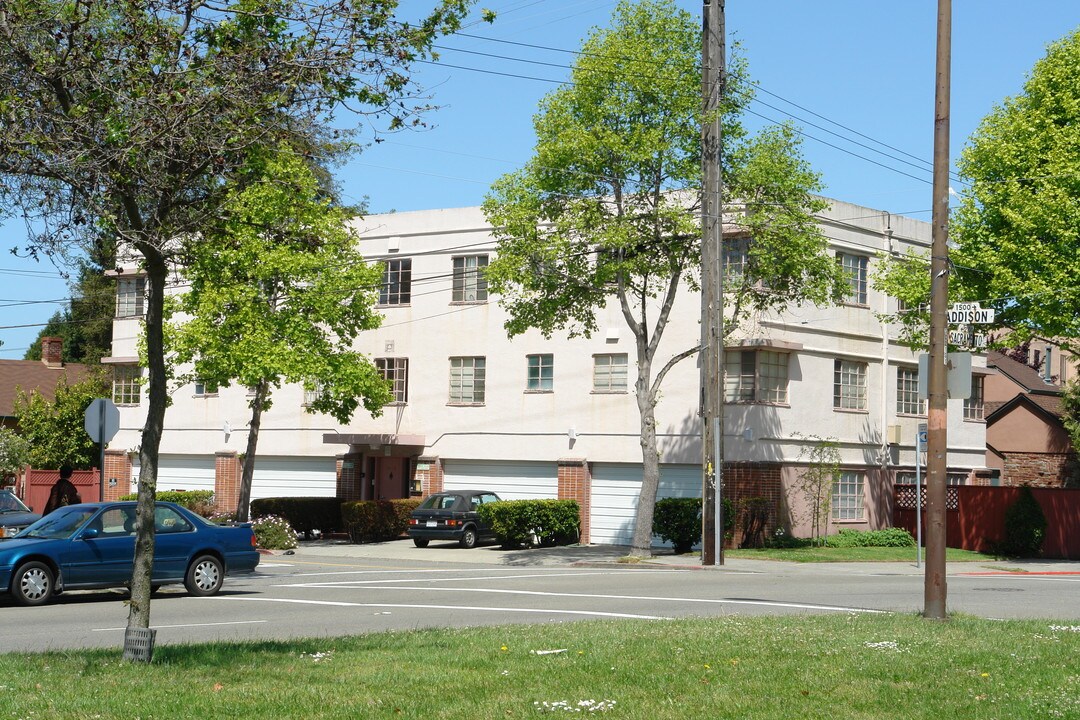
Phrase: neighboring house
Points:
(1026, 440)
(35, 375)
(557, 418)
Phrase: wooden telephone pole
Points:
(712, 289)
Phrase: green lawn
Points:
(854, 554)
(835, 667)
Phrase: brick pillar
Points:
(575, 483)
(227, 473)
(350, 472)
(429, 472)
(118, 468)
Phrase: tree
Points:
(14, 454)
(822, 458)
(134, 119)
(55, 428)
(1017, 227)
(278, 293)
(605, 210)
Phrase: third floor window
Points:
(130, 297)
(469, 282)
(397, 282)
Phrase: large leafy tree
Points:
(605, 211)
(55, 428)
(132, 119)
(278, 293)
(1017, 228)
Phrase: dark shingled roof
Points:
(33, 375)
(1023, 375)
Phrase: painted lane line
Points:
(470, 578)
(649, 598)
(162, 627)
(541, 611)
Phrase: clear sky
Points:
(856, 75)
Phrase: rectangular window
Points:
(130, 297)
(849, 385)
(847, 499)
(397, 282)
(396, 371)
(855, 268)
(973, 406)
(736, 258)
(205, 387)
(609, 373)
(541, 373)
(312, 392)
(755, 376)
(907, 392)
(467, 380)
(127, 390)
(469, 282)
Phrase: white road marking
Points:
(161, 627)
(541, 611)
(470, 577)
(274, 565)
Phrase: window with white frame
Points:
(849, 385)
(540, 373)
(755, 376)
(127, 386)
(397, 282)
(907, 392)
(205, 387)
(609, 373)
(847, 496)
(312, 393)
(130, 297)
(469, 282)
(855, 268)
(396, 371)
(974, 408)
(467, 380)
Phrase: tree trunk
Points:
(247, 469)
(641, 544)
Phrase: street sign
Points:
(957, 376)
(923, 435)
(102, 420)
(964, 337)
(970, 312)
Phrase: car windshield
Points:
(59, 524)
(11, 504)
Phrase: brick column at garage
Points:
(117, 467)
(349, 477)
(227, 473)
(429, 471)
(575, 483)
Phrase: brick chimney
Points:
(52, 351)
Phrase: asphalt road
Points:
(326, 591)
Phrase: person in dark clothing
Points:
(63, 492)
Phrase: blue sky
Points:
(862, 71)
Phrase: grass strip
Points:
(832, 667)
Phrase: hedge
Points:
(521, 522)
(376, 520)
(191, 499)
(305, 514)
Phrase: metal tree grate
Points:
(139, 644)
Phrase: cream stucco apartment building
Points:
(545, 418)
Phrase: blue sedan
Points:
(92, 545)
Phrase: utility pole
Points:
(935, 591)
(712, 288)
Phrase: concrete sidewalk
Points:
(617, 555)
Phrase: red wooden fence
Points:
(975, 517)
(40, 482)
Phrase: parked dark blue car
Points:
(92, 545)
(14, 516)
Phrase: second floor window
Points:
(468, 378)
(849, 385)
(127, 389)
(469, 282)
(130, 297)
(312, 393)
(736, 258)
(755, 376)
(541, 373)
(907, 392)
(396, 371)
(609, 373)
(205, 387)
(397, 282)
(973, 406)
(855, 268)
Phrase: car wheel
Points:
(32, 584)
(469, 538)
(204, 576)
(420, 542)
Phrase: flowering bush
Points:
(274, 533)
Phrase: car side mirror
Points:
(89, 534)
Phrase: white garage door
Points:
(510, 481)
(294, 477)
(615, 491)
(185, 472)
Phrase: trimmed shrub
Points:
(305, 514)
(1025, 527)
(375, 520)
(678, 521)
(274, 533)
(889, 537)
(191, 499)
(520, 522)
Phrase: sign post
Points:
(102, 421)
(920, 445)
